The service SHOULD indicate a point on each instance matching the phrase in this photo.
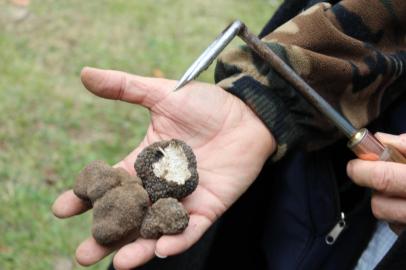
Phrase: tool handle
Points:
(366, 146)
(392, 154)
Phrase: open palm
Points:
(230, 142)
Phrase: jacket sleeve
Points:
(352, 53)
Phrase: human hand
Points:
(388, 180)
(230, 142)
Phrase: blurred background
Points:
(51, 127)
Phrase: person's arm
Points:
(230, 142)
(352, 53)
(387, 179)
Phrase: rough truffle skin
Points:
(166, 216)
(119, 201)
(159, 187)
(96, 171)
(119, 213)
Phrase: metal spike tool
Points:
(364, 144)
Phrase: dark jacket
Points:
(282, 221)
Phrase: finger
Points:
(68, 204)
(135, 254)
(397, 141)
(169, 245)
(390, 209)
(90, 252)
(397, 228)
(385, 177)
(119, 85)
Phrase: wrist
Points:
(264, 137)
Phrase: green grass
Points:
(50, 126)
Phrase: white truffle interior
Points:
(173, 166)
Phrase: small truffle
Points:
(119, 201)
(166, 216)
(167, 169)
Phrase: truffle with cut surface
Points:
(166, 216)
(167, 169)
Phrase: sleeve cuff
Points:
(270, 108)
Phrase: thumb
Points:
(397, 141)
(119, 85)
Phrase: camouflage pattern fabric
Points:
(352, 53)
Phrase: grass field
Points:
(50, 127)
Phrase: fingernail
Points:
(159, 255)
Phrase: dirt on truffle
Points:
(166, 216)
(119, 201)
(159, 186)
(119, 213)
(97, 171)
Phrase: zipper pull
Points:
(332, 236)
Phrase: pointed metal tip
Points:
(210, 53)
(180, 85)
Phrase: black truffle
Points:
(119, 213)
(167, 169)
(166, 216)
(97, 171)
(119, 201)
